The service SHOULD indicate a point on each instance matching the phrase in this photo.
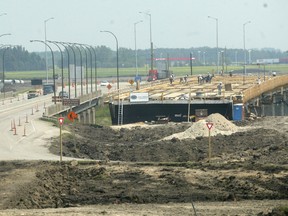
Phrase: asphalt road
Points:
(31, 138)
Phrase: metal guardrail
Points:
(86, 102)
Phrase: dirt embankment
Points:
(246, 165)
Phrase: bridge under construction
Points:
(191, 99)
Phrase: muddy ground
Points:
(134, 166)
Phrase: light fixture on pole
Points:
(216, 19)
(151, 43)
(244, 50)
(45, 21)
(53, 65)
(117, 56)
(4, 34)
(135, 39)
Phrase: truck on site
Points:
(49, 88)
(156, 75)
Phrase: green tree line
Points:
(19, 59)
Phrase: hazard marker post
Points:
(61, 122)
(209, 126)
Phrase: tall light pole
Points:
(117, 56)
(135, 40)
(216, 19)
(151, 43)
(45, 22)
(3, 65)
(5, 34)
(62, 65)
(68, 62)
(244, 50)
(52, 65)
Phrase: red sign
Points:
(61, 120)
(109, 86)
(209, 125)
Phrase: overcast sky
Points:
(175, 23)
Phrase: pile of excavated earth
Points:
(220, 125)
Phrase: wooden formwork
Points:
(266, 86)
(247, 87)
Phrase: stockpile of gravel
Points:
(199, 129)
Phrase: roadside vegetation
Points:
(143, 71)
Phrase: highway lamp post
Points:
(95, 65)
(52, 64)
(117, 57)
(191, 63)
(135, 40)
(5, 34)
(86, 64)
(62, 72)
(244, 46)
(75, 78)
(81, 74)
(46, 63)
(3, 66)
(69, 89)
(151, 43)
(91, 65)
(216, 19)
(249, 57)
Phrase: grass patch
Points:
(103, 115)
(143, 71)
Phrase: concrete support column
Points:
(89, 116)
(93, 116)
(84, 117)
(263, 110)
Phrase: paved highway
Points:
(32, 137)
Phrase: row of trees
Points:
(19, 59)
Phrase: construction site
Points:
(194, 97)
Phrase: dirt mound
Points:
(88, 183)
(137, 166)
(199, 129)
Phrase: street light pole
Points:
(191, 63)
(91, 65)
(52, 65)
(5, 34)
(151, 43)
(136, 55)
(244, 50)
(3, 62)
(62, 70)
(216, 19)
(117, 56)
(86, 64)
(68, 62)
(81, 72)
(45, 22)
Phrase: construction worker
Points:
(219, 87)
